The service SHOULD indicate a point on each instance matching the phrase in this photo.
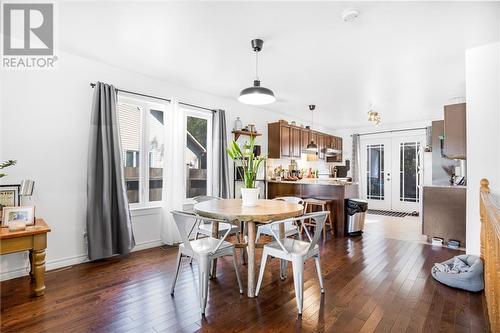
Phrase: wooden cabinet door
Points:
(296, 143)
(305, 138)
(455, 131)
(285, 141)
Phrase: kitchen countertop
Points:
(445, 186)
(315, 181)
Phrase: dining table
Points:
(233, 211)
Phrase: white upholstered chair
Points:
(203, 250)
(297, 251)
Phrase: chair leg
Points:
(257, 236)
(320, 276)
(178, 264)
(238, 276)
(195, 238)
(298, 281)
(261, 272)
(203, 271)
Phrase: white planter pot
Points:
(250, 196)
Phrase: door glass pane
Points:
(375, 172)
(196, 157)
(409, 176)
(156, 153)
(129, 119)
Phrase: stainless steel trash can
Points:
(355, 215)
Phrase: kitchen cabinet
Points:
(288, 141)
(296, 141)
(455, 131)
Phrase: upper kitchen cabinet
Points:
(288, 141)
(455, 131)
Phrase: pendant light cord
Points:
(257, 65)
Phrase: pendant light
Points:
(256, 94)
(312, 148)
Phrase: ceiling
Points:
(406, 58)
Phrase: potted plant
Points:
(250, 165)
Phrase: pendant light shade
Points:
(256, 94)
(312, 148)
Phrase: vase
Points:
(249, 196)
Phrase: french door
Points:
(392, 171)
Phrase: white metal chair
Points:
(296, 251)
(203, 250)
(205, 228)
(291, 227)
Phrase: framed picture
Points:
(24, 214)
(9, 196)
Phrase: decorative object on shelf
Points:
(312, 147)
(27, 186)
(245, 133)
(257, 95)
(293, 123)
(237, 124)
(373, 116)
(6, 164)
(17, 226)
(250, 166)
(251, 128)
(24, 214)
(9, 197)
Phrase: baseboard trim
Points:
(70, 261)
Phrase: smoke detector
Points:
(350, 14)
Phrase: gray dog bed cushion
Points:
(469, 277)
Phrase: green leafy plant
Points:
(6, 164)
(246, 160)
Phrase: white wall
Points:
(44, 124)
(483, 132)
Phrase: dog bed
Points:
(463, 272)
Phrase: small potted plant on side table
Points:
(250, 165)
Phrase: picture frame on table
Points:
(9, 197)
(25, 214)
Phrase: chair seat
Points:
(206, 245)
(295, 247)
(314, 201)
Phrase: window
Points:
(141, 124)
(198, 153)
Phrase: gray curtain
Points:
(109, 228)
(220, 177)
(356, 160)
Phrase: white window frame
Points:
(146, 104)
(207, 115)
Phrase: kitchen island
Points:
(326, 189)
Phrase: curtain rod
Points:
(393, 131)
(160, 98)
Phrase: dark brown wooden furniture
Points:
(34, 240)
(288, 141)
(443, 212)
(337, 194)
(455, 131)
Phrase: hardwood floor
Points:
(372, 284)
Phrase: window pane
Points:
(129, 119)
(375, 172)
(157, 145)
(409, 177)
(196, 157)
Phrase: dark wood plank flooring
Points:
(372, 285)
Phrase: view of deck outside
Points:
(129, 117)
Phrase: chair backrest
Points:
(295, 200)
(202, 198)
(185, 223)
(320, 219)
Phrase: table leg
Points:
(283, 263)
(39, 271)
(215, 234)
(251, 259)
(32, 265)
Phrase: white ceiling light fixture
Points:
(257, 95)
(350, 14)
(373, 116)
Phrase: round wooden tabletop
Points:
(265, 211)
